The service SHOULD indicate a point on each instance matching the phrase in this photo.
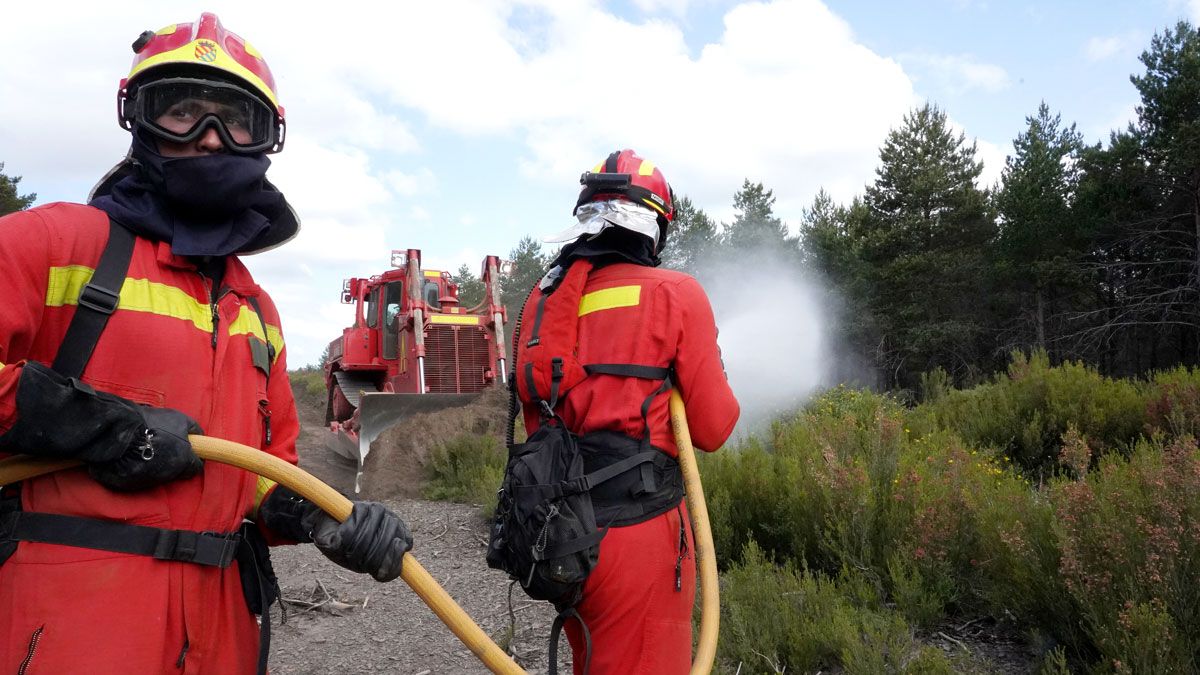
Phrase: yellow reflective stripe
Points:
(142, 295)
(646, 169)
(261, 489)
(432, 273)
(610, 298)
(599, 168)
(452, 319)
(247, 323)
(137, 295)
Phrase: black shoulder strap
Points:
(97, 301)
(253, 300)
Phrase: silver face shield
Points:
(596, 217)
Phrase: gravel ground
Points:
(386, 628)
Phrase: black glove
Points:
(62, 417)
(284, 512)
(373, 539)
(161, 454)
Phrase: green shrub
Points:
(1025, 412)
(467, 468)
(308, 385)
(789, 619)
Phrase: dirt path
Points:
(388, 629)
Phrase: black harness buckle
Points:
(99, 299)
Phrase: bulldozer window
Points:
(373, 308)
(432, 293)
(392, 299)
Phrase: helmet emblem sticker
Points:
(206, 51)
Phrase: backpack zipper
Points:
(33, 644)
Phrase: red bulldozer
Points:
(412, 349)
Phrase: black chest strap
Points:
(97, 301)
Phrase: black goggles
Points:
(181, 109)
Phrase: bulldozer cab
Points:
(411, 348)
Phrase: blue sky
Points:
(459, 126)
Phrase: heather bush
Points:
(1015, 569)
(1130, 540)
(1174, 403)
(845, 485)
(466, 468)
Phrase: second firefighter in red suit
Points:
(637, 602)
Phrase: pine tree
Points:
(1141, 197)
(10, 201)
(755, 228)
(471, 290)
(1037, 254)
(692, 237)
(923, 239)
(528, 264)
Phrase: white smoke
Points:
(775, 326)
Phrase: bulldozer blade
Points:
(378, 412)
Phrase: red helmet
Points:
(625, 175)
(202, 59)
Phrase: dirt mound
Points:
(395, 467)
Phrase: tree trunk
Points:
(1041, 318)
(1196, 271)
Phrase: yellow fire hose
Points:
(710, 612)
(23, 467)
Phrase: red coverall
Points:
(170, 343)
(633, 314)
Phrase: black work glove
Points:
(373, 539)
(64, 418)
(161, 454)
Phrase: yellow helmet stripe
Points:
(646, 169)
(186, 55)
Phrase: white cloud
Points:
(785, 95)
(1103, 48)
(960, 74)
(422, 182)
(675, 7)
(993, 157)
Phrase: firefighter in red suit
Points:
(134, 563)
(637, 602)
